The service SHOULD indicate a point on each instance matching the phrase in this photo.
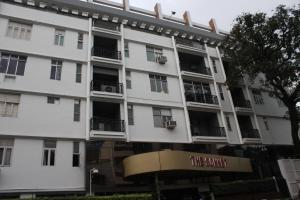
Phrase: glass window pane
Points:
(152, 84)
(1, 155)
(50, 144)
(58, 73)
(52, 157)
(156, 111)
(7, 157)
(76, 147)
(12, 66)
(16, 32)
(76, 160)
(158, 84)
(3, 64)
(157, 121)
(52, 73)
(56, 40)
(21, 67)
(61, 40)
(45, 157)
(165, 86)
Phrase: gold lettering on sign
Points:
(200, 161)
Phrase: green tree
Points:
(269, 45)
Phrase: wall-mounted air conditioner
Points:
(108, 88)
(170, 124)
(162, 59)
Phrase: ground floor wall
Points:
(27, 173)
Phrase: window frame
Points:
(76, 154)
(80, 41)
(214, 64)
(4, 155)
(158, 83)
(257, 96)
(57, 66)
(126, 49)
(49, 150)
(130, 112)
(128, 80)
(221, 93)
(20, 26)
(56, 100)
(14, 106)
(76, 115)
(162, 117)
(59, 37)
(9, 58)
(78, 76)
(227, 119)
(156, 53)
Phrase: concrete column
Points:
(213, 25)
(158, 11)
(126, 5)
(187, 18)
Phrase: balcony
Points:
(190, 45)
(195, 69)
(105, 124)
(242, 103)
(107, 87)
(201, 98)
(209, 131)
(250, 133)
(106, 29)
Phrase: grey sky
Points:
(224, 11)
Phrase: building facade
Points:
(85, 84)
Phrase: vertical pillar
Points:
(158, 11)
(126, 5)
(187, 18)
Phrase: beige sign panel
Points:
(180, 160)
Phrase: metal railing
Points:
(106, 53)
(201, 98)
(196, 69)
(243, 103)
(104, 86)
(106, 124)
(250, 133)
(209, 131)
(106, 25)
(190, 44)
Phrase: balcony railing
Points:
(106, 25)
(105, 124)
(201, 98)
(104, 86)
(190, 44)
(250, 133)
(196, 68)
(106, 53)
(242, 103)
(210, 131)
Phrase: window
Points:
(214, 64)
(258, 99)
(130, 114)
(76, 154)
(76, 117)
(158, 83)
(12, 64)
(59, 37)
(9, 104)
(53, 100)
(19, 30)
(153, 54)
(80, 41)
(6, 147)
(56, 67)
(49, 152)
(266, 123)
(128, 80)
(126, 49)
(228, 123)
(78, 72)
(161, 116)
(221, 92)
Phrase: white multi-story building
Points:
(78, 76)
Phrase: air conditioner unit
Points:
(108, 88)
(170, 124)
(162, 59)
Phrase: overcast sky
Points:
(224, 11)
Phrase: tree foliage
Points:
(269, 45)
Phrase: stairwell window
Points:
(56, 67)
(228, 123)
(158, 83)
(214, 64)
(76, 154)
(153, 53)
(128, 80)
(19, 30)
(221, 91)
(53, 100)
(49, 152)
(161, 116)
(258, 98)
(9, 104)
(6, 148)
(130, 114)
(76, 116)
(59, 37)
(80, 41)
(12, 64)
(126, 49)
(78, 72)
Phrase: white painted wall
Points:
(144, 130)
(27, 173)
(37, 118)
(232, 136)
